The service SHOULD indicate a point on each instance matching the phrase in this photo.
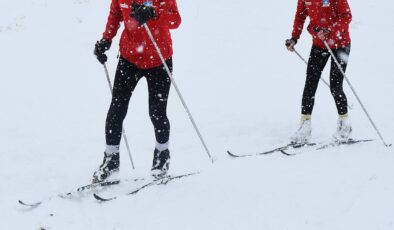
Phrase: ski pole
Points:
(178, 91)
(123, 130)
(355, 94)
(299, 55)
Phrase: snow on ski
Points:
(79, 190)
(156, 181)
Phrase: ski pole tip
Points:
(213, 160)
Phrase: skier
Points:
(329, 21)
(138, 59)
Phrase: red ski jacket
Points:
(334, 15)
(135, 44)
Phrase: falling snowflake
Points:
(140, 49)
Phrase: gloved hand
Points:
(100, 48)
(322, 33)
(142, 13)
(290, 43)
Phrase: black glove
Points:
(100, 48)
(290, 43)
(142, 13)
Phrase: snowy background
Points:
(244, 90)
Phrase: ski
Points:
(79, 190)
(279, 149)
(330, 145)
(157, 181)
(349, 142)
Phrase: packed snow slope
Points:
(244, 90)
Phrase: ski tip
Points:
(231, 154)
(29, 205)
(287, 154)
(22, 203)
(99, 198)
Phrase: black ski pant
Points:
(316, 63)
(126, 79)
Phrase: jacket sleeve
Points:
(113, 22)
(167, 15)
(299, 20)
(344, 18)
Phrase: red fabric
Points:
(336, 16)
(135, 44)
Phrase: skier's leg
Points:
(344, 127)
(317, 60)
(336, 79)
(126, 78)
(159, 87)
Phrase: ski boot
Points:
(109, 168)
(161, 163)
(303, 134)
(344, 129)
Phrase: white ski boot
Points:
(303, 134)
(344, 129)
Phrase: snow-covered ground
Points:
(244, 90)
